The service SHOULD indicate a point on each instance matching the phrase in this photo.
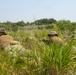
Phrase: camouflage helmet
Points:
(2, 31)
(53, 33)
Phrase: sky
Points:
(31, 10)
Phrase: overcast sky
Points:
(30, 10)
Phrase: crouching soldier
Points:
(8, 44)
(53, 37)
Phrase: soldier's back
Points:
(6, 40)
(57, 40)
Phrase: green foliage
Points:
(63, 24)
(39, 58)
(45, 21)
(20, 23)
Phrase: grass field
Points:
(39, 58)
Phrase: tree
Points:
(21, 23)
(64, 24)
(51, 20)
(45, 21)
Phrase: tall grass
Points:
(39, 58)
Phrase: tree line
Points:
(61, 24)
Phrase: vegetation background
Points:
(39, 58)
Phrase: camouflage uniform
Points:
(8, 44)
(53, 37)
